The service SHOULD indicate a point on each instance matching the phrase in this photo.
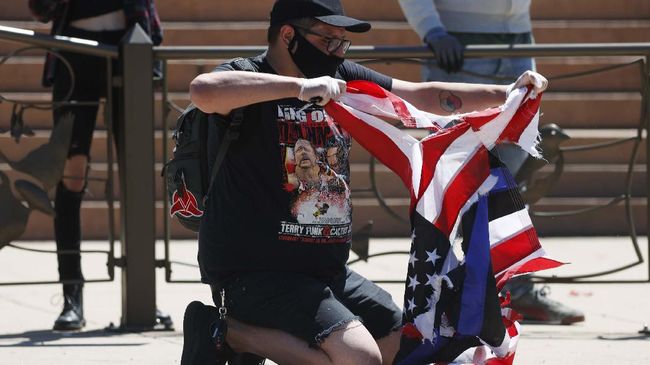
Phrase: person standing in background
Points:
(446, 27)
(105, 21)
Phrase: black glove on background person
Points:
(447, 49)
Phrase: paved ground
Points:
(615, 312)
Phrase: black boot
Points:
(72, 315)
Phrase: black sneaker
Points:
(199, 347)
(536, 307)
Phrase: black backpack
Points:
(189, 178)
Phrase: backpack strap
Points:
(232, 132)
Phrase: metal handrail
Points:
(385, 53)
(60, 42)
(409, 54)
(401, 52)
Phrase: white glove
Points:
(539, 82)
(321, 89)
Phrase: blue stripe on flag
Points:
(477, 264)
(505, 180)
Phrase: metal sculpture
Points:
(533, 189)
(45, 164)
(13, 215)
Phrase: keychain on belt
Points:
(220, 327)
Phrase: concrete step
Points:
(260, 10)
(383, 33)
(607, 221)
(598, 180)
(618, 154)
(95, 224)
(23, 73)
(614, 154)
(388, 184)
(15, 151)
(364, 9)
(42, 118)
(391, 33)
(95, 219)
(568, 109)
(592, 110)
(622, 73)
(578, 180)
(200, 10)
(590, 9)
(591, 31)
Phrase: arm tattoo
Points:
(450, 102)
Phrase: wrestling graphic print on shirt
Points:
(315, 174)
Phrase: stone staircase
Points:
(593, 108)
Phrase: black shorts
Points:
(89, 85)
(308, 308)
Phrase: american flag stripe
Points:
(523, 127)
(486, 187)
(513, 250)
(432, 153)
(510, 201)
(490, 132)
(461, 188)
(536, 261)
(452, 185)
(513, 238)
(515, 121)
(372, 99)
(388, 144)
(508, 226)
(450, 163)
(503, 354)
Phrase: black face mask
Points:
(311, 61)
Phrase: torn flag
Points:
(451, 298)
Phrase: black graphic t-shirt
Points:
(281, 199)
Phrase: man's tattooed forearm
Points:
(450, 102)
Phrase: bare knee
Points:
(74, 173)
(352, 344)
(389, 345)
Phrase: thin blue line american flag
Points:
(451, 298)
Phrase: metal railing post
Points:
(136, 162)
(645, 84)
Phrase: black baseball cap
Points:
(327, 11)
